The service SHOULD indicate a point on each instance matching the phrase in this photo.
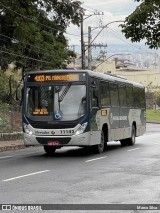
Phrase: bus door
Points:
(94, 113)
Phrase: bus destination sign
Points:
(56, 77)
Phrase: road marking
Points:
(22, 176)
(133, 149)
(6, 157)
(96, 159)
(156, 143)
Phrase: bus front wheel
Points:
(50, 150)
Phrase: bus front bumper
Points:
(72, 140)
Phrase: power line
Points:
(30, 19)
(26, 57)
(119, 37)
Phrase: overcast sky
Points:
(113, 10)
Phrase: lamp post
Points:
(90, 42)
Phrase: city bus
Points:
(81, 108)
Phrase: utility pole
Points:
(90, 42)
(89, 48)
(82, 44)
(90, 45)
(82, 36)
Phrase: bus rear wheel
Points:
(101, 147)
(131, 141)
(50, 150)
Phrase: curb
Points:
(11, 136)
(12, 147)
(153, 122)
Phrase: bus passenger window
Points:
(104, 94)
(122, 96)
(114, 94)
(129, 96)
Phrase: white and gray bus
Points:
(81, 108)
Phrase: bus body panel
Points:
(119, 126)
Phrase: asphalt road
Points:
(121, 175)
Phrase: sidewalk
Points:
(11, 145)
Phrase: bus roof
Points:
(104, 76)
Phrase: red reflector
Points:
(53, 143)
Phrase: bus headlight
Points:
(26, 129)
(81, 129)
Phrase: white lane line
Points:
(22, 176)
(156, 143)
(133, 149)
(6, 157)
(96, 159)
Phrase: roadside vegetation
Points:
(153, 115)
(10, 118)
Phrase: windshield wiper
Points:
(64, 92)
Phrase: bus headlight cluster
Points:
(26, 129)
(81, 129)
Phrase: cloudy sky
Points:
(113, 10)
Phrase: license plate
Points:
(53, 143)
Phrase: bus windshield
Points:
(55, 102)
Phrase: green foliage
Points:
(153, 115)
(144, 23)
(154, 93)
(34, 29)
(4, 82)
(10, 118)
(4, 117)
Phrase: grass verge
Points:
(153, 115)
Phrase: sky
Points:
(113, 10)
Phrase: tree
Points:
(32, 32)
(144, 23)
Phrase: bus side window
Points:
(136, 97)
(114, 94)
(122, 96)
(104, 94)
(129, 96)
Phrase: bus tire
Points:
(50, 150)
(124, 142)
(100, 147)
(131, 141)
